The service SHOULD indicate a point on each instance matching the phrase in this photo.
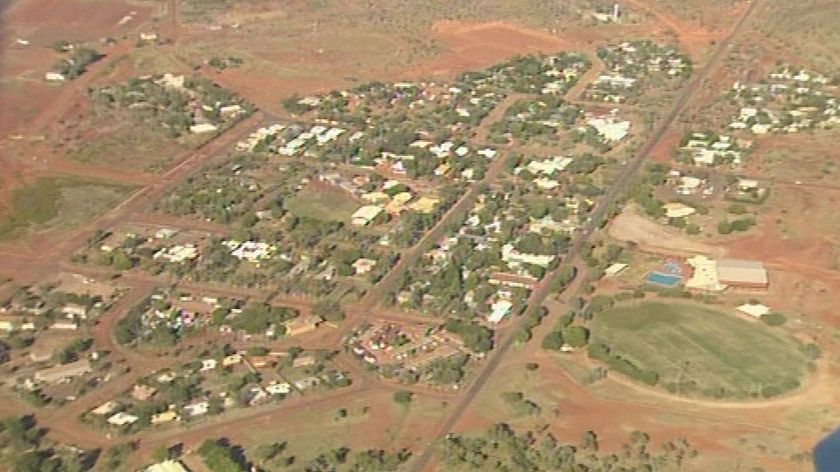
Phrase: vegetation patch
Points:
(59, 201)
(698, 351)
(321, 205)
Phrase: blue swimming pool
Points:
(663, 279)
(827, 453)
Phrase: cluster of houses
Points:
(121, 411)
(204, 110)
(164, 245)
(790, 101)
(708, 149)
(447, 154)
(389, 196)
(66, 312)
(410, 346)
(629, 63)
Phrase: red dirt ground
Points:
(479, 45)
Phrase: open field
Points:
(127, 147)
(806, 29)
(53, 202)
(321, 205)
(648, 235)
(701, 351)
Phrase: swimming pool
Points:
(666, 280)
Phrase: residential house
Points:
(232, 360)
(197, 409)
(499, 310)
(165, 417)
(366, 215)
(122, 418)
(362, 266)
(167, 466)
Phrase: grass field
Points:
(129, 146)
(51, 202)
(699, 351)
(807, 29)
(325, 206)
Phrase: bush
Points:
(403, 397)
(724, 227)
(774, 319)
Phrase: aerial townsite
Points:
(419, 236)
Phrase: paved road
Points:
(599, 215)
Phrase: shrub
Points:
(774, 319)
(403, 397)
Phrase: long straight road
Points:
(612, 196)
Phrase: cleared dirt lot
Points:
(650, 236)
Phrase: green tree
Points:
(553, 341)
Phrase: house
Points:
(549, 166)
(362, 266)
(143, 392)
(425, 204)
(366, 215)
(177, 253)
(688, 185)
(610, 128)
(122, 418)
(167, 466)
(64, 326)
(73, 310)
(301, 325)
(283, 388)
(105, 409)
(231, 360)
(55, 77)
(61, 372)
(514, 257)
(166, 377)
(756, 310)
(678, 210)
(165, 417)
(498, 311)
(10, 323)
(208, 364)
(614, 269)
(197, 409)
(512, 280)
(202, 128)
